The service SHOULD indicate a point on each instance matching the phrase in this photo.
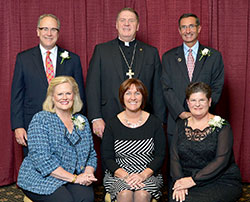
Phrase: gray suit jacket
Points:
(210, 70)
(105, 75)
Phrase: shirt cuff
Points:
(96, 120)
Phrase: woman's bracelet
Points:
(74, 179)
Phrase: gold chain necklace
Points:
(130, 73)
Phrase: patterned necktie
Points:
(190, 64)
(49, 67)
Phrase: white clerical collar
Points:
(126, 43)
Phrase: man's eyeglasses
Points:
(191, 26)
(46, 29)
(130, 20)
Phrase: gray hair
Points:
(49, 15)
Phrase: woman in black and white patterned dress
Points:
(133, 148)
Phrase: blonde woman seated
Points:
(61, 160)
(133, 148)
(202, 159)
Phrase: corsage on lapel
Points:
(217, 121)
(64, 55)
(79, 122)
(204, 52)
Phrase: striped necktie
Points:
(190, 64)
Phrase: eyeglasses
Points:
(130, 20)
(191, 26)
(201, 101)
(46, 29)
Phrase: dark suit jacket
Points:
(105, 75)
(29, 85)
(175, 80)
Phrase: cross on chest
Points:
(130, 74)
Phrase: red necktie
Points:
(190, 64)
(49, 67)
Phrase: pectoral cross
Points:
(130, 73)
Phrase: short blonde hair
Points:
(48, 104)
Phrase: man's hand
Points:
(98, 127)
(21, 136)
(185, 115)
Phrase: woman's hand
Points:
(85, 179)
(135, 181)
(180, 195)
(184, 183)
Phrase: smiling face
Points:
(48, 32)
(132, 99)
(63, 97)
(189, 31)
(127, 25)
(199, 104)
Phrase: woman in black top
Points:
(201, 159)
(133, 148)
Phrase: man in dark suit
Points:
(206, 66)
(31, 76)
(117, 60)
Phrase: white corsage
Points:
(205, 52)
(79, 122)
(217, 121)
(64, 55)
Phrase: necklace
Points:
(133, 125)
(130, 73)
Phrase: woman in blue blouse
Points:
(61, 161)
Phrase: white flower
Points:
(217, 118)
(64, 55)
(205, 52)
(217, 121)
(79, 122)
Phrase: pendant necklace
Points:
(133, 125)
(130, 73)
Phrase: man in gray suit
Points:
(117, 60)
(181, 66)
(30, 81)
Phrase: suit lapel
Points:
(59, 67)
(198, 64)
(38, 61)
(181, 61)
(138, 58)
(117, 59)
